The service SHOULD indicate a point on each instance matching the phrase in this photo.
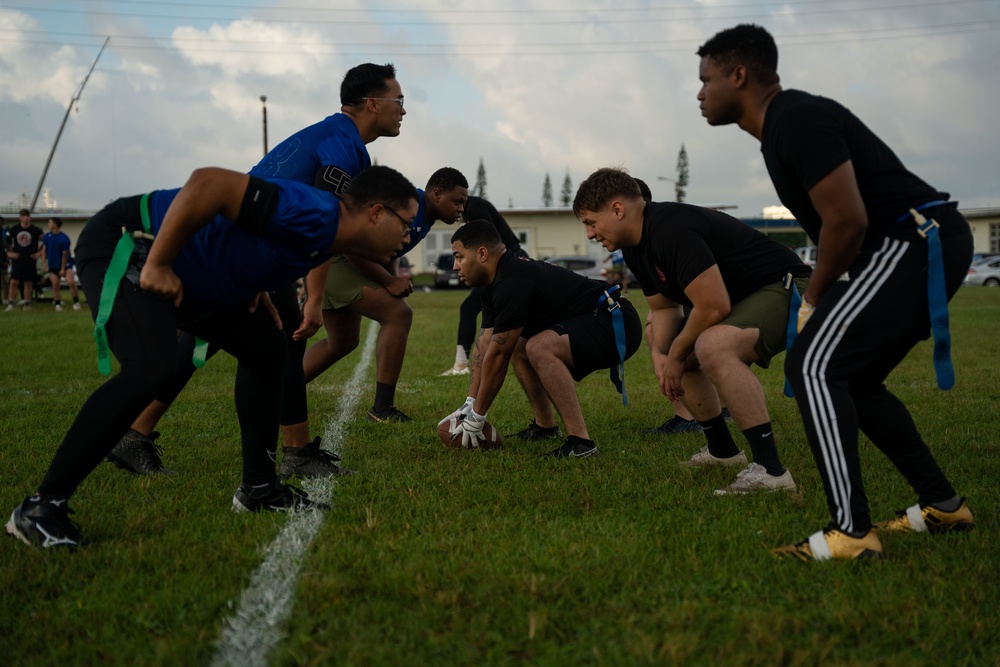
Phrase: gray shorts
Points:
(767, 311)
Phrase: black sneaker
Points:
(138, 454)
(675, 425)
(44, 521)
(573, 448)
(536, 432)
(390, 414)
(310, 461)
(273, 497)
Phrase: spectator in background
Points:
(58, 262)
(4, 278)
(24, 248)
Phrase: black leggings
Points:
(294, 408)
(142, 336)
(860, 331)
(467, 314)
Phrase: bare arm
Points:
(386, 277)
(495, 362)
(312, 309)
(207, 193)
(666, 320)
(838, 201)
(709, 305)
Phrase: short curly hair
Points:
(746, 44)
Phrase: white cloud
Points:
(532, 90)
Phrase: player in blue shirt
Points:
(58, 261)
(219, 240)
(356, 288)
(327, 155)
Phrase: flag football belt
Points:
(109, 291)
(937, 296)
(618, 324)
(793, 321)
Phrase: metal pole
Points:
(263, 102)
(74, 100)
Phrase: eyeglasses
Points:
(387, 99)
(393, 211)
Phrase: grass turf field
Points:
(433, 556)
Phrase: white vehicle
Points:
(807, 254)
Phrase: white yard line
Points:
(258, 623)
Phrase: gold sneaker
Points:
(833, 544)
(929, 519)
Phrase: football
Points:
(492, 441)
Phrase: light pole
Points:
(263, 102)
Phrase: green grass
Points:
(434, 556)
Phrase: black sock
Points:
(761, 439)
(385, 394)
(76, 299)
(720, 442)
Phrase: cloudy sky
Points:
(531, 88)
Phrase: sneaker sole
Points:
(12, 529)
(728, 492)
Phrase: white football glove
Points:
(471, 430)
(461, 412)
(805, 312)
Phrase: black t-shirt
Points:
(535, 295)
(24, 241)
(477, 208)
(679, 242)
(805, 137)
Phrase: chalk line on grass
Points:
(258, 623)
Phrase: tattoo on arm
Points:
(477, 352)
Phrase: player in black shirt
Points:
(736, 282)
(555, 325)
(23, 248)
(477, 208)
(883, 277)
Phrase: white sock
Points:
(461, 358)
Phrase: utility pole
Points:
(74, 100)
(263, 102)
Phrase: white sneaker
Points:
(756, 478)
(76, 306)
(10, 307)
(456, 370)
(59, 307)
(703, 458)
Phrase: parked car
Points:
(582, 264)
(986, 272)
(445, 274)
(807, 254)
(405, 270)
(980, 256)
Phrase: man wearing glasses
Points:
(326, 155)
(357, 288)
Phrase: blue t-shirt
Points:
(334, 141)
(420, 225)
(224, 263)
(55, 246)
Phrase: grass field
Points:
(438, 557)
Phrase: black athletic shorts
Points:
(592, 338)
(23, 270)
